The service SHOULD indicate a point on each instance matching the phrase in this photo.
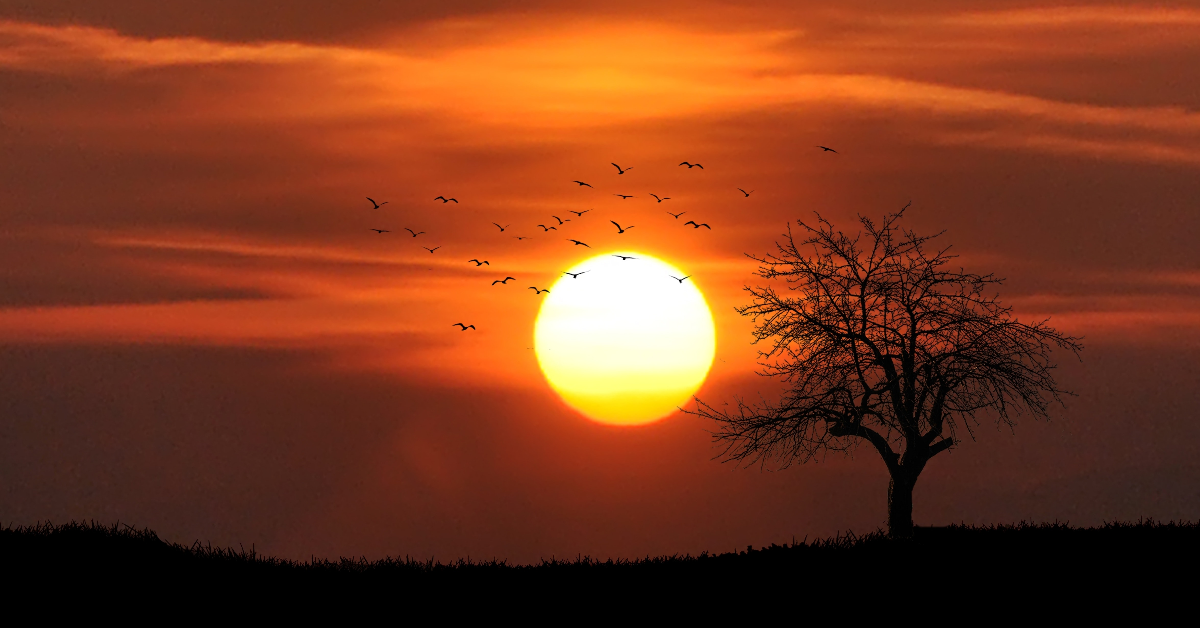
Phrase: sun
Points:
(625, 342)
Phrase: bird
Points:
(745, 192)
(381, 231)
(560, 220)
(444, 200)
(676, 216)
(415, 233)
(520, 238)
(579, 213)
(679, 279)
(581, 184)
(503, 281)
(827, 149)
(539, 291)
(665, 198)
(578, 243)
(479, 263)
(377, 205)
(464, 327)
(619, 229)
(622, 170)
(501, 228)
(691, 165)
(624, 196)
(545, 228)
(574, 275)
(625, 257)
(434, 249)
(697, 225)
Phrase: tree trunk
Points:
(900, 492)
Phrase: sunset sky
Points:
(199, 333)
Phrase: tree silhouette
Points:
(878, 340)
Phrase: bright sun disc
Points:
(624, 343)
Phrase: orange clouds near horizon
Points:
(183, 218)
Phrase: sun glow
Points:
(624, 343)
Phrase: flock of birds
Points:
(561, 222)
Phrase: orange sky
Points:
(199, 333)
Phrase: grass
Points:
(119, 551)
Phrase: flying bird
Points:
(745, 192)
(619, 229)
(679, 279)
(665, 198)
(574, 275)
(444, 200)
(545, 228)
(434, 249)
(381, 231)
(697, 225)
(519, 238)
(479, 263)
(503, 281)
(578, 243)
(625, 257)
(676, 216)
(691, 165)
(621, 170)
(539, 291)
(415, 233)
(560, 220)
(501, 228)
(827, 149)
(377, 205)
(579, 213)
(624, 196)
(464, 327)
(581, 184)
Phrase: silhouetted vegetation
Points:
(882, 342)
(89, 554)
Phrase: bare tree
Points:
(879, 340)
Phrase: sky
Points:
(199, 333)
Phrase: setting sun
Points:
(626, 341)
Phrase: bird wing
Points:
(615, 223)
(699, 166)
(705, 225)
(454, 199)
(684, 163)
(690, 222)
(439, 198)
(471, 326)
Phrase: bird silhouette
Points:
(560, 220)
(625, 257)
(578, 243)
(691, 165)
(679, 279)
(745, 192)
(697, 225)
(574, 275)
(444, 200)
(538, 290)
(545, 228)
(619, 229)
(624, 196)
(621, 170)
(381, 231)
(676, 216)
(581, 184)
(521, 237)
(415, 233)
(464, 327)
(827, 149)
(377, 205)
(479, 263)
(503, 281)
(579, 213)
(501, 228)
(665, 198)
(434, 249)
